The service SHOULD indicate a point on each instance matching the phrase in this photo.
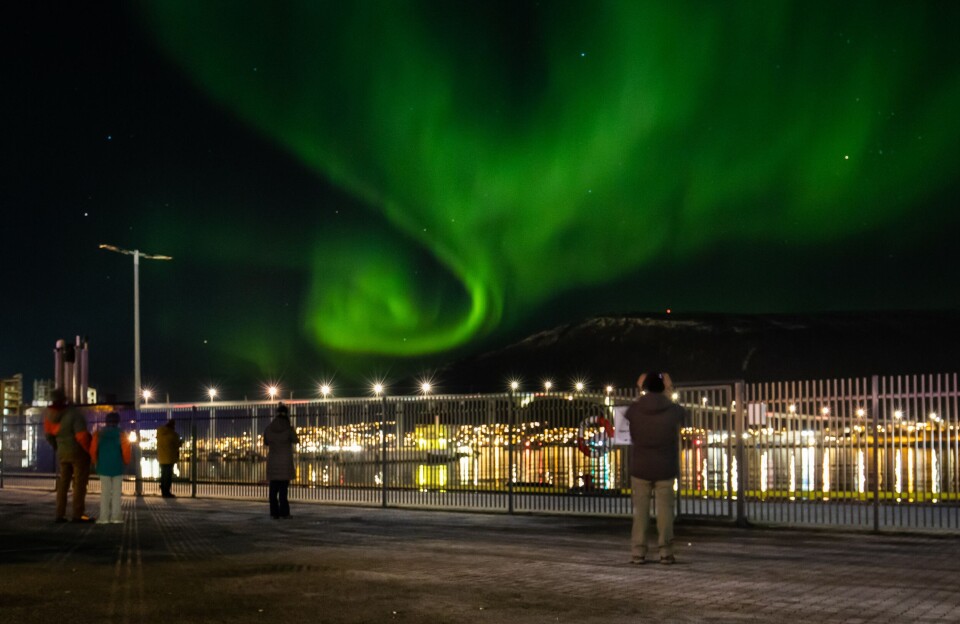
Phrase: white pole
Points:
(136, 365)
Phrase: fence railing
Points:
(875, 453)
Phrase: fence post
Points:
(383, 451)
(510, 423)
(875, 418)
(193, 452)
(739, 411)
(3, 446)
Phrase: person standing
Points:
(280, 437)
(655, 423)
(168, 454)
(110, 452)
(65, 428)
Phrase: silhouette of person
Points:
(655, 423)
(65, 428)
(168, 454)
(110, 452)
(280, 437)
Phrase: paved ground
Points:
(187, 560)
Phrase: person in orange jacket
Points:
(110, 452)
(66, 429)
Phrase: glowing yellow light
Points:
(547, 385)
(147, 395)
(377, 388)
(703, 400)
(675, 396)
(579, 386)
(898, 414)
(325, 390)
(861, 412)
(514, 385)
(212, 393)
(425, 387)
(132, 436)
(825, 410)
(272, 391)
(609, 389)
(792, 409)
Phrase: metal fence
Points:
(869, 453)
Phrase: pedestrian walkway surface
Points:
(190, 560)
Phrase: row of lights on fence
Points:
(326, 390)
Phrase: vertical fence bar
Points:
(875, 425)
(740, 454)
(511, 422)
(383, 451)
(193, 452)
(3, 445)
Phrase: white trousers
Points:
(110, 490)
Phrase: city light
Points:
(547, 385)
(898, 414)
(147, 395)
(212, 393)
(272, 391)
(425, 387)
(792, 409)
(378, 388)
(609, 389)
(579, 386)
(514, 385)
(861, 412)
(325, 390)
(825, 410)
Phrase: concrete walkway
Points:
(186, 560)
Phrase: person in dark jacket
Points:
(65, 428)
(280, 438)
(655, 423)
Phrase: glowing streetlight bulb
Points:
(792, 409)
(703, 400)
(825, 410)
(675, 396)
(147, 395)
(325, 390)
(609, 389)
(272, 391)
(514, 385)
(425, 387)
(898, 414)
(861, 412)
(377, 389)
(212, 392)
(579, 386)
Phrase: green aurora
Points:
(519, 151)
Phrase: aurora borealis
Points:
(511, 163)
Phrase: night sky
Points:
(355, 190)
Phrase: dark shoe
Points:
(668, 560)
(638, 560)
(61, 519)
(168, 495)
(84, 519)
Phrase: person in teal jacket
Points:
(110, 452)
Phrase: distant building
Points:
(42, 390)
(11, 395)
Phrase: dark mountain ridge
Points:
(708, 347)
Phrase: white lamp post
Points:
(137, 390)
